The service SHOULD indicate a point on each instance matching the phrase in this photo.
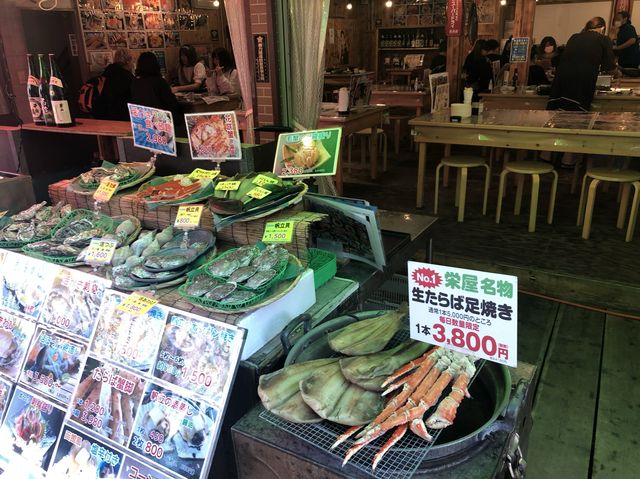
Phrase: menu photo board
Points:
(153, 129)
(308, 153)
(106, 393)
(519, 50)
(214, 136)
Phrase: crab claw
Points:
(395, 437)
(346, 435)
(419, 428)
(352, 451)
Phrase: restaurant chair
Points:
(364, 134)
(462, 163)
(626, 178)
(535, 169)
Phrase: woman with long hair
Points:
(224, 79)
(192, 72)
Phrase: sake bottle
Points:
(43, 92)
(33, 85)
(61, 112)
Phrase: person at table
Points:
(150, 89)
(478, 70)
(537, 74)
(493, 51)
(506, 52)
(191, 71)
(439, 62)
(546, 51)
(224, 79)
(585, 55)
(116, 92)
(626, 47)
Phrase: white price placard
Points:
(473, 312)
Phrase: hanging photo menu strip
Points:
(153, 129)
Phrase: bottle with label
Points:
(420, 41)
(515, 78)
(33, 85)
(430, 41)
(61, 112)
(43, 92)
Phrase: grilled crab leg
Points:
(395, 437)
(447, 409)
(410, 366)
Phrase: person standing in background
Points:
(150, 89)
(478, 70)
(439, 62)
(585, 55)
(191, 71)
(117, 88)
(626, 47)
(493, 51)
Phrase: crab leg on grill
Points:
(448, 407)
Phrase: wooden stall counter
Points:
(87, 126)
(603, 101)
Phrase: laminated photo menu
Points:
(89, 391)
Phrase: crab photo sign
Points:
(472, 312)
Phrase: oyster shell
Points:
(243, 274)
(260, 279)
(220, 292)
(223, 267)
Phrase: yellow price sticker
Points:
(258, 193)
(200, 174)
(136, 304)
(262, 180)
(228, 185)
(106, 190)
(278, 232)
(100, 251)
(188, 216)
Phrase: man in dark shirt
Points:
(112, 104)
(439, 62)
(626, 42)
(585, 55)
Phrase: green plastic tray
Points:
(324, 265)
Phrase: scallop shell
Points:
(260, 279)
(220, 292)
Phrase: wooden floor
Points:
(587, 399)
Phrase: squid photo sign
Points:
(472, 312)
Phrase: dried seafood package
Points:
(107, 400)
(73, 302)
(124, 339)
(15, 336)
(53, 365)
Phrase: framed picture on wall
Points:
(486, 11)
(206, 4)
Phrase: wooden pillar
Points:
(455, 54)
(523, 27)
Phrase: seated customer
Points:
(150, 89)
(191, 71)
(224, 79)
(537, 74)
(439, 62)
(116, 93)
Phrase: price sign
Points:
(200, 174)
(262, 180)
(188, 216)
(228, 185)
(136, 304)
(278, 232)
(106, 190)
(469, 311)
(258, 193)
(101, 251)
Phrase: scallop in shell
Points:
(220, 292)
(260, 279)
(243, 274)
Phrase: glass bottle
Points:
(33, 85)
(59, 103)
(43, 91)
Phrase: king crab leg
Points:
(448, 407)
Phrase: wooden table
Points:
(198, 105)
(401, 97)
(358, 119)
(600, 133)
(605, 102)
(106, 132)
(336, 80)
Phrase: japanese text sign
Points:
(307, 153)
(214, 136)
(100, 251)
(188, 216)
(519, 50)
(454, 18)
(105, 190)
(278, 232)
(200, 174)
(153, 129)
(136, 304)
(469, 311)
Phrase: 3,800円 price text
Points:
(458, 338)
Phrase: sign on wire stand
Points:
(307, 153)
(519, 50)
(214, 136)
(153, 129)
(473, 312)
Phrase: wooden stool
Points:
(535, 169)
(626, 178)
(382, 142)
(463, 163)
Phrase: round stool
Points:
(626, 178)
(463, 163)
(535, 169)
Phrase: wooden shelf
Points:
(404, 27)
(398, 49)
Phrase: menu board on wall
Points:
(138, 25)
(121, 397)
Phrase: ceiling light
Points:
(349, 6)
(388, 4)
(503, 2)
(216, 3)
